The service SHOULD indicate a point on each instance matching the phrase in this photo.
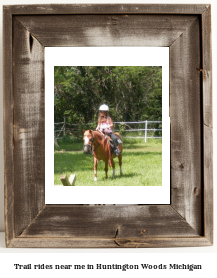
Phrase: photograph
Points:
(125, 93)
(108, 125)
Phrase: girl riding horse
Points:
(105, 126)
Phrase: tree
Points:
(132, 93)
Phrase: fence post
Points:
(146, 127)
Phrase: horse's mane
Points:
(99, 133)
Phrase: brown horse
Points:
(97, 144)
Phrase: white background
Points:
(109, 56)
(205, 255)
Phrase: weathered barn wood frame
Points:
(186, 30)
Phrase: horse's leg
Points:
(120, 163)
(95, 163)
(106, 169)
(113, 168)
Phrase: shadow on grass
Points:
(129, 175)
(77, 161)
(141, 153)
(72, 162)
(134, 147)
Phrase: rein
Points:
(97, 144)
(104, 137)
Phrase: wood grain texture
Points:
(109, 222)
(186, 30)
(8, 125)
(207, 67)
(107, 30)
(29, 132)
(185, 113)
(207, 122)
(70, 242)
(106, 9)
(208, 183)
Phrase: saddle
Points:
(111, 143)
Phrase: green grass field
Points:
(142, 164)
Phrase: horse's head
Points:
(88, 138)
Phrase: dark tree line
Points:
(132, 93)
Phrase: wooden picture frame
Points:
(186, 30)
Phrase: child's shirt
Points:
(105, 126)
